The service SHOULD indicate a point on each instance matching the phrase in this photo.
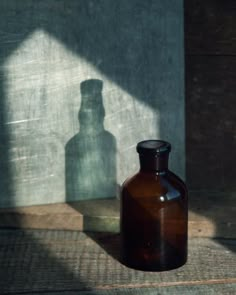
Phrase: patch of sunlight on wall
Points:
(42, 89)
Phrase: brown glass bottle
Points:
(154, 212)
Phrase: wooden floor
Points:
(73, 262)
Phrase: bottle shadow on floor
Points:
(109, 242)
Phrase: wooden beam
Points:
(206, 218)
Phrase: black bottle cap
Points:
(153, 147)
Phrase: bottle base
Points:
(155, 267)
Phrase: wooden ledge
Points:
(206, 219)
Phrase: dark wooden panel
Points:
(53, 261)
(211, 122)
(210, 27)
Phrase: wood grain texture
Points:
(209, 216)
(69, 261)
(48, 49)
(217, 289)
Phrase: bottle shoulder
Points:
(169, 185)
(141, 177)
(176, 181)
(139, 180)
(131, 179)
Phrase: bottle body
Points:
(154, 216)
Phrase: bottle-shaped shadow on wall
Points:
(91, 153)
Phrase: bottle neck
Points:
(154, 163)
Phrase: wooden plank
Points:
(206, 218)
(216, 289)
(35, 261)
(210, 124)
(210, 86)
(210, 27)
